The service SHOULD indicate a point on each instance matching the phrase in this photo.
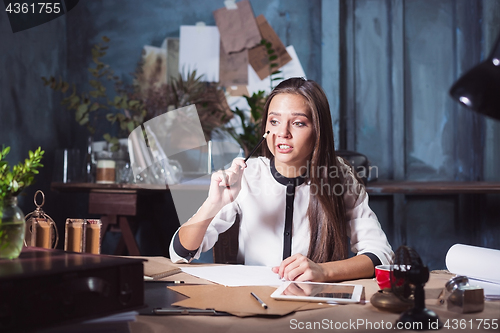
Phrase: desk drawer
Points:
(113, 203)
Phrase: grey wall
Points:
(386, 66)
(30, 115)
(398, 60)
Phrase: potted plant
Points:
(12, 183)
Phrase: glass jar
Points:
(12, 228)
(74, 235)
(106, 166)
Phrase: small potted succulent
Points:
(12, 183)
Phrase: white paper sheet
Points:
(474, 262)
(236, 275)
(199, 50)
(291, 69)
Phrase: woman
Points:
(298, 205)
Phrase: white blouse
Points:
(261, 206)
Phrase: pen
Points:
(258, 145)
(208, 312)
(264, 305)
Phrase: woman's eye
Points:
(299, 124)
(273, 122)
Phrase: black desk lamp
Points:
(479, 88)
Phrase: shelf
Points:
(432, 187)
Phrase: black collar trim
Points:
(284, 180)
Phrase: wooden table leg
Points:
(128, 236)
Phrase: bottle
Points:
(89, 165)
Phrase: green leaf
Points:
(94, 107)
(94, 83)
(15, 186)
(273, 57)
(130, 126)
(95, 93)
(81, 112)
(111, 117)
(84, 120)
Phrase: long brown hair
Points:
(326, 210)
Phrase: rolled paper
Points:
(474, 262)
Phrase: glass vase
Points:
(12, 228)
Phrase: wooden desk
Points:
(354, 317)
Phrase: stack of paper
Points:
(236, 275)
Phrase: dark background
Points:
(386, 66)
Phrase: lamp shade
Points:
(479, 88)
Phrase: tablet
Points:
(319, 292)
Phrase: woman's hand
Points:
(226, 184)
(300, 268)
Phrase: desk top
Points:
(354, 317)
(385, 187)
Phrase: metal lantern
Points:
(41, 229)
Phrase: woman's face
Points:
(291, 138)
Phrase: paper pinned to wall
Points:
(291, 69)
(258, 56)
(238, 28)
(199, 50)
(233, 68)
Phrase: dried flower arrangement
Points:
(133, 105)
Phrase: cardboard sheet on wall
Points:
(233, 68)
(291, 69)
(199, 50)
(258, 56)
(238, 28)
